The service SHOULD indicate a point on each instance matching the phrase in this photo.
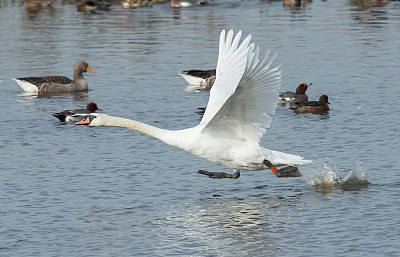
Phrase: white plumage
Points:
(244, 94)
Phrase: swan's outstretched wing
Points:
(244, 114)
(230, 67)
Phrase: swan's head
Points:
(94, 120)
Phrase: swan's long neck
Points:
(168, 136)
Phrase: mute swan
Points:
(317, 107)
(244, 93)
(57, 84)
(76, 115)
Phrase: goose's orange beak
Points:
(85, 121)
(89, 70)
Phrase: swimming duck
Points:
(295, 3)
(197, 77)
(317, 107)
(86, 6)
(177, 3)
(92, 5)
(34, 5)
(132, 4)
(244, 94)
(298, 97)
(76, 115)
(57, 84)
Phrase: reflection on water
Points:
(234, 226)
(76, 96)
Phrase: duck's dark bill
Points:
(85, 121)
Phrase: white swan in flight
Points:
(245, 92)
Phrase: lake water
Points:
(70, 190)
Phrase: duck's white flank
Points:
(237, 115)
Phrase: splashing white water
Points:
(325, 174)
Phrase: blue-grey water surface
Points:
(70, 190)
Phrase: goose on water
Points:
(245, 92)
(57, 84)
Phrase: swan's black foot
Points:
(220, 174)
(289, 171)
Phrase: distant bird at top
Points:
(132, 4)
(298, 97)
(317, 107)
(57, 84)
(35, 5)
(77, 114)
(178, 3)
(92, 5)
(295, 3)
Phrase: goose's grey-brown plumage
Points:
(57, 84)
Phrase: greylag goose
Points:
(244, 94)
(57, 84)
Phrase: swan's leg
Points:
(289, 171)
(220, 174)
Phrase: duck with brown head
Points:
(57, 84)
(298, 97)
(77, 114)
(317, 107)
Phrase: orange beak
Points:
(89, 69)
(85, 121)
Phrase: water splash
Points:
(324, 176)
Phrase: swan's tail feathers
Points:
(284, 159)
(26, 86)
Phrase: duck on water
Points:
(244, 94)
(70, 116)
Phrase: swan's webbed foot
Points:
(220, 174)
(289, 171)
